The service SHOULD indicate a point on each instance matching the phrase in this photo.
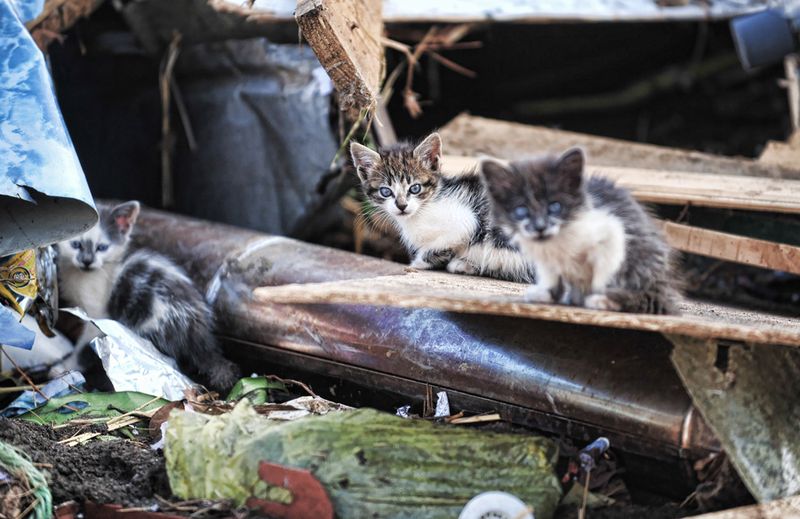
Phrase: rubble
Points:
(395, 392)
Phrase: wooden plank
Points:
(346, 37)
(541, 11)
(730, 247)
(782, 153)
(680, 187)
(748, 398)
(788, 508)
(476, 295)
(467, 135)
(58, 16)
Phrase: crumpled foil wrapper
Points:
(132, 363)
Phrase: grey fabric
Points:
(260, 114)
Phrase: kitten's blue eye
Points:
(521, 212)
(75, 244)
(102, 247)
(385, 192)
(554, 208)
(415, 189)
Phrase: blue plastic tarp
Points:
(44, 197)
(12, 332)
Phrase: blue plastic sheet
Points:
(68, 384)
(44, 197)
(12, 333)
(28, 9)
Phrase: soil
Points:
(115, 471)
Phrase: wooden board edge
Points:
(689, 326)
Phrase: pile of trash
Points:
(147, 438)
(263, 450)
(160, 444)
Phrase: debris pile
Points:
(392, 391)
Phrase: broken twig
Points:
(24, 375)
(164, 81)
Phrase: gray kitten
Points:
(592, 243)
(146, 292)
(443, 221)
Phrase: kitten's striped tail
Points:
(659, 299)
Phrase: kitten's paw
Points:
(601, 302)
(223, 375)
(538, 294)
(420, 264)
(460, 266)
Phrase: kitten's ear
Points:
(124, 216)
(429, 152)
(569, 168)
(497, 175)
(364, 159)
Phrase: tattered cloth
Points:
(372, 464)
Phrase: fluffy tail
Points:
(203, 361)
(658, 299)
(185, 333)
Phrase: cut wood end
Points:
(346, 37)
(307, 8)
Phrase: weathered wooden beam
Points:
(748, 396)
(58, 16)
(730, 247)
(468, 135)
(346, 37)
(780, 509)
(542, 11)
(685, 188)
(478, 295)
(782, 153)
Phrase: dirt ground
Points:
(115, 471)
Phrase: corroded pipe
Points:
(570, 379)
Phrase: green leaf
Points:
(91, 405)
(255, 389)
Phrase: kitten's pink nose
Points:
(401, 205)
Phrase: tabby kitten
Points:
(143, 290)
(442, 221)
(592, 243)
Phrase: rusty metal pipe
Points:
(570, 379)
